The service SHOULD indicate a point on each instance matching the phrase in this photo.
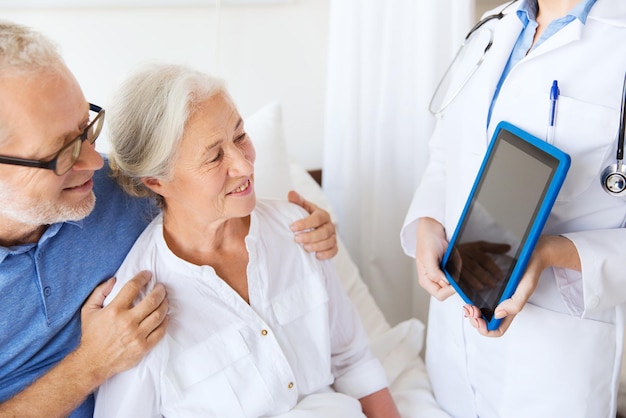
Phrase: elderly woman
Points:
(258, 326)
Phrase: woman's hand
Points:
(551, 251)
(429, 251)
(316, 232)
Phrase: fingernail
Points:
(501, 313)
(466, 312)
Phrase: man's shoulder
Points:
(111, 198)
(101, 240)
(104, 183)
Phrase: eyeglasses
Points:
(468, 58)
(64, 160)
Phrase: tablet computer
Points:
(507, 208)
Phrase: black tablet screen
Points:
(498, 219)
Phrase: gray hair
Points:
(147, 119)
(23, 49)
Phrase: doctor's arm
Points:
(551, 251)
(423, 236)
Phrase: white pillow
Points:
(276, 174)
(271, 168)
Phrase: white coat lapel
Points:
(480, 90)
(610, 12)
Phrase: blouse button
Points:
(290, 385)
(264, 332)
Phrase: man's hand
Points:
(316, 232)
(113, 339)
(116, 337)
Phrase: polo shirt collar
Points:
(50, 232)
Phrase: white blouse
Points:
(223, 357)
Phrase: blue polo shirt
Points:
(43, 285)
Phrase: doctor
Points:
(559, 347)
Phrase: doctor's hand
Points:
(429, 251)
(550, 251)
(316, 232)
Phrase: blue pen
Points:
(554, 97)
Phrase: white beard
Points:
(31, 212)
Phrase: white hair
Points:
(24, 49)
(147, 119)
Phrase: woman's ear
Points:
(153, 184)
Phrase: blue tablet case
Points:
(507, 208)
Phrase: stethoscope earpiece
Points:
(614, 179)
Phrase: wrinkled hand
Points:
(550, 251)
(116, 337)
(316, 232)
(429, 251)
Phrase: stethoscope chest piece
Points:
(614, 179)
(614, 176)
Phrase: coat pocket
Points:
(588, 133)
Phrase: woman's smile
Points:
(242, 189)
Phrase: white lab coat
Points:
(561, 356)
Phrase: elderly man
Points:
(57, 244)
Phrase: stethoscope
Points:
(446, 92)
(613, 177)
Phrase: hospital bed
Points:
(397, 347)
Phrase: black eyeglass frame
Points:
(52, 164)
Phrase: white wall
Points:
(265, 53)
(483, 6)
